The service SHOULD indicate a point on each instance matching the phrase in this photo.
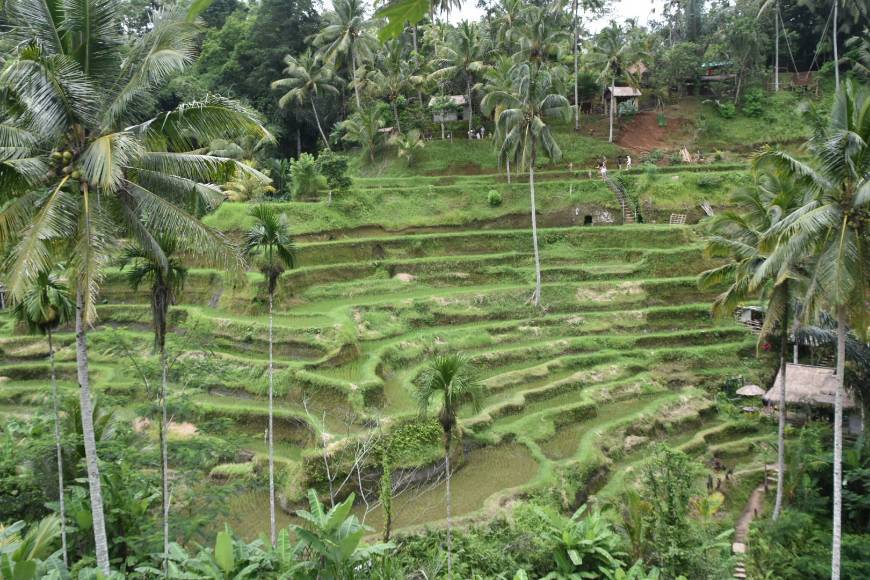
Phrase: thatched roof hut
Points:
(808, 385)
(750, 391)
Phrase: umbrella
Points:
(750, 391)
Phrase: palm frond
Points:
(32, 253)
(158, 214)
(200, 122)
(92, 245)
(53, 87)
(164, 51)
(104, 160)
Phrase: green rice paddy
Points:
(624, 350)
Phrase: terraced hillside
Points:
(624, 353)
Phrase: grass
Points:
(781, 122)
(369, 211)
(470, 157)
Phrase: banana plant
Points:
(331, 541)
(31, 554)
(231, 559)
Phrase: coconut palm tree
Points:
(395, 77)
(409, 145)
(833, 228)
(541, 36)
(44, 306)
(347, 34)
(85, 167)
(509, 14)
(575, 49)
(741, 237)
(364, 129)
(449, 382)
(610, 48)
(307, 78)
(166, 275)
(523, 128)
(496, 86)
(463, 57)
(270, 235)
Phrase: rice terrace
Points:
(433, 290)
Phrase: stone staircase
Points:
(628, 213)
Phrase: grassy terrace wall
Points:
(380, 206)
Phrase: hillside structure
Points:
(814, 388)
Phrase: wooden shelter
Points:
(620, 94)
(459, 110)
(752, 317)
(814, 388)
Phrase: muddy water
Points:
(249, 515)
(487, 471)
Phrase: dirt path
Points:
(741, 529)
(643, 133)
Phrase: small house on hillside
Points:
(620, 95)
(449, 108)
(814, 389)
(752, 317)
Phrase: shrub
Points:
(726, 110)
(709, 181)
(493, 198)
(655, 155)
(754, 103)
(334, 168)
(306, 177)
(627, 109)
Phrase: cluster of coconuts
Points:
(62, 162)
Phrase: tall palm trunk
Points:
(87, 411)
(396, 115)
(164, 459)
(780, 436)
(838, 442)
(353, 75)
(776, 67)
(58, 449)
(319, 128)
(836, 86)
(796, 327)
(272, 531)
(447, 497)
(576, 69)
(536, 297)
(416, 56)
(613, 82)
(160, 309)
(470, 104)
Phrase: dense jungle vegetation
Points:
(434, 289)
